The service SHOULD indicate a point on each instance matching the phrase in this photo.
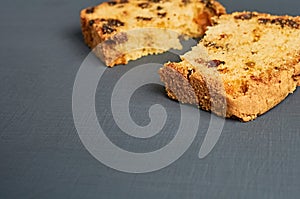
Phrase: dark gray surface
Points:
(41, 155)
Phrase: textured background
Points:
(41, 155)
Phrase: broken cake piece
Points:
(124, 30)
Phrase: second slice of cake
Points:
(246, 64)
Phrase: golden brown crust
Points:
(258, 64)
(103, 22)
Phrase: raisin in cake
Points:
(130, 29)
(255, 56)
